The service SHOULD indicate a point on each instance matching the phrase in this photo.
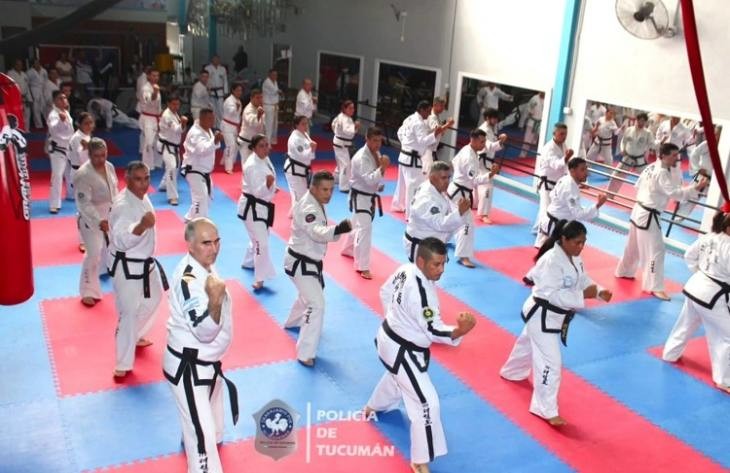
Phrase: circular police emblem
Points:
(300, 148)
(427, 313)
(434, 210)
(276, 423)
(310, 218)
(471, 173)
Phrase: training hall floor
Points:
(628, 411)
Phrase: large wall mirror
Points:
(338, 80)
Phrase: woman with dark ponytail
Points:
(561, 287)
(707, 297)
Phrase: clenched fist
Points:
(148, 220)
(215, 287)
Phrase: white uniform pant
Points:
(427, 161)
(257, 254)
(465, 234)
(540, 352)
(201, 415)
(170, 177)
(93, 240)
(532, 133)
(37, 108)
(359, 241)
(148, 126)
(717, 331)
(271, 122)
(200, 199)
(297, 188)
(485, 194)
(644, 248)
(59, 163)
(409, 178)
(230, 153)
(342, 176)
(422, 404)
(543, 196)
(307, 312)
(136, 312)
(600, 152)
(217, 104)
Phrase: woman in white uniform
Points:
(344, 129)
(299, 157)
(561, 287)
(707, 300)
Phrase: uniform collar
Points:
(197, 267)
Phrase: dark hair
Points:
(642, 116)
(374, 131)
(429, 247)
(477, 133)
(83, 116)
(490, 113)
(564, 228)
(205, 111)
(272, 70)
(560, 126)
(236, 85)
(320, 176)
(575, 162)
(423, 104)
(203, 71)
(173, 97)
(256, 140)
(667, 148)
(298, 119)
(55, 94)
(346, 104)
(720, 222)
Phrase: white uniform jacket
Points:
(344, 129)
(77, 155)
(299, 154)
(305, 106)
(550, 165)
(467, 175)
(655, 187)
(709, 258)
(365, 179)
(256, 197)
(415, 137)
(94, 194)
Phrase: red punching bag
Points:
(16, 278)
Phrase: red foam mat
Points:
(241, 456)
(81, 342)
(515, 262)
(55, 241)
(695, 360)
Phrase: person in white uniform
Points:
(199, 332)
(199, 95)
(415, 138)
(106, 110)
(551, 164)
(18, 74)
(487, 164)
(707, 300)
(298, 164)
(413, 322)
(230, 125)
(150, 110)
(51, 85)
(306, 103)
(561, 288)
(532, 123)
(95, 186)
(603, 131)
(256, 209)
(172, 126)
(305, 251)
(434, 121)
(489, 96)
(674, 131)
(344, 129)
(138, 277)
(467, 176)
(78, 145)
(565, 201)
(252, 124)
(645, 244)
(433, 214)
(60, 131)
(37, 76)
(271, 97)
(367, 172)
(200, 146)
(634, 146)
(217, 86)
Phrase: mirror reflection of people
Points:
(634, 147)
(489, 96)
(603, 131)
(271, 96)
(306, 102)
(487, 164)
(532, 123)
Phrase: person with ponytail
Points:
(561, 287)
(707, 300)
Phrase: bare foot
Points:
(257, 285)
(631, 278)
(120, 373)
(82, 248)
(661, 295)
(228, 171)
(420, 468)
(308, 363)
(88, 301)
(724, 388)
(173, 201)
(556, 421)
(486, 220)
(53, 210)
(466, 262)
(143, 342)
(365, 274)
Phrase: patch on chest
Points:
(310, 218)
(428, 314)
(434, 210)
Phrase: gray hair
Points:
(133, 166)
(439, 100)
(440, 166)
(192, 225)
(96, 144)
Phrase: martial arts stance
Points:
(551, 165)
(150, 109)
(306, 103)
(603, 131)
(565, 201)
(139, 279)
(199, 332)
(645, 245)
(412, 323)
(561, 287)
(433, 120)
(95, 186)
(707, 297)
(489, 96)
(172, 126)
(467, 177)
(78, 145)
(298, 164)
(485, 192)
(199, 96)
(256, 209)
(533, 120)
(271, 96)
(344, 130)
(252, 124)
(230, 125)
(415, 137)
(200, 145)
(303, 263)
(60, 131)
(635, 144)
(367, 171)
(37, 76)
(217, 86)
(107, 111)
(433, 214)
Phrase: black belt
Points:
(242, 139)
(465, 192)
(303, 261)
(484, 159)
(215, 92)
(146, 270)
(251, 202)
(171, 148)
(544, 182)
(552, 220)
(374, 201)
(546, 306)
(639, 160)
(346, 140)
(55, 147)
(724, 291)
(415, 159)
(603, 141)
(653, 214)
(189, 361)
(74, 166)
(206, 175)
(406, 346)
(414, 243)
(292, 164)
